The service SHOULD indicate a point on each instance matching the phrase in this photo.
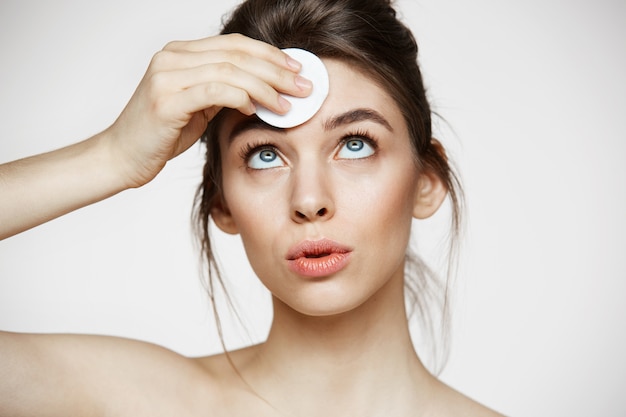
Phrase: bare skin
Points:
(186, 84)
(338, 345)
(59, 375)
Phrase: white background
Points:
(534, 95)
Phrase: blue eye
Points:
(355, 149)
(264, 159)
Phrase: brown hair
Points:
(368, 35)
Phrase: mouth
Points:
(318, 258)
(315, 256)
(314, 249)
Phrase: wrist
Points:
(120, 166)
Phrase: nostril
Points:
(305, 215)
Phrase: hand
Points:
(185, 86)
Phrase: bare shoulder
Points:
(229, 369)
(97, 375)
(238, 395)
(223, 365)
(453, 403)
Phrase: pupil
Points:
(268, 156)
(355, 145)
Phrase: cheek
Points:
(385, 195)
(257, 213)
(386, 207)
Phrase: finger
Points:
(222, 73)
(237, 42)
(212, 95)
(282, 80)
(191, 133)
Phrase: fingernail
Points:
(303, 83)
(293, 63)
(283, 103)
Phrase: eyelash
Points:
(253, 147)
(363, 135)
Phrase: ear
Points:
(431, 189)
(222, 217)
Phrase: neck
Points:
(364, 356)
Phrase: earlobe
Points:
(223, 218)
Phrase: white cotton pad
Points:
(302, 109)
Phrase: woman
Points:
(324, 210)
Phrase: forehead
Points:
(349, 89)
(350, 86)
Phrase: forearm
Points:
(37, 189)
(181, 92)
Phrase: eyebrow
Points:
(346, 118)
(250, 123)
(357, 115)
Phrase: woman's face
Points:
(324, 209)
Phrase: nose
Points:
(311, 196)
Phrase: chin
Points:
(324, 311)
(324, 305)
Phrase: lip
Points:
(318, 258)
